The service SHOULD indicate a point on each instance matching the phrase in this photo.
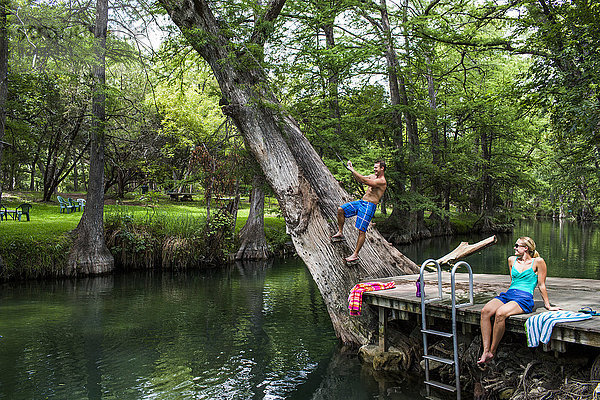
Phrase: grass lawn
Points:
(47, 222)
(39, 247)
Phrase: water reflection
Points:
(571, 250)
(251, 331)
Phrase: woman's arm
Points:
(511, 262)
(541, 272)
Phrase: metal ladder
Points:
(425, 331)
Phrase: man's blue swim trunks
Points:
(363, 210)
(522, 298)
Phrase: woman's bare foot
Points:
(485, 357)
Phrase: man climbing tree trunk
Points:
(252, 236)
(89, 254)
(307, 192)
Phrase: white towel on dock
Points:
(539, 327)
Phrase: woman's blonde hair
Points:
(527, 241)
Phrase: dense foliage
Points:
(489, 108)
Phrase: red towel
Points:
(355, 298)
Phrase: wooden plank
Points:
(570, 294)
(382, 329)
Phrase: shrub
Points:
(158, 239)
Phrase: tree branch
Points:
(499, 44)
(431, 6)
(262, 26)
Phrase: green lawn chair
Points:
(64, 205)
(81, 203)
(76, 206)
(23, 209)
(3, 212)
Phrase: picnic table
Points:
(184, 196)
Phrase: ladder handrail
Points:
(453, 285)
(423, 302)
(455, 306)
(422, 283)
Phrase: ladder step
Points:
(438, 333)
(439, 359)
(441, 386)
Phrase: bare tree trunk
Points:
(392, 70)
(307, 192)
(405, 224)
(75, 178)
(417, 218)
(3, 80)
(253, 240)
(487, 194)
(89, 254)
(562, 214)
(333, 79)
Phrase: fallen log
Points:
(464, 249)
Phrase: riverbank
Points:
(168, 234)
(161, 234)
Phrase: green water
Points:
(571, 250)
(253, 331)
(256, 331)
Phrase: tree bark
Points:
(333, 78)
(392, 70)
(3, 80)
(404, 224)
(307, 192)
(89, 254)
(465, 249)
(252, 235)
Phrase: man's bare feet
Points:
(337, 237)
(485, 357)
(352, 258)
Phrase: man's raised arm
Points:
(370, 180)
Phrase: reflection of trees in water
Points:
(248, 330)
(571, 249)
(336, 379)
(92, 333)
(252, 281)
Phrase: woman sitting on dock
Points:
(527, 270)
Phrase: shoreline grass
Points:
(39, 247)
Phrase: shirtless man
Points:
(363, 209)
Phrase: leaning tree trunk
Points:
(307, 192)
(89, 254)
(253, 240)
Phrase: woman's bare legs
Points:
(491, 337)
(486, 328)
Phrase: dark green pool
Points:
(247, 332)
(256, 331)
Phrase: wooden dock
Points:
(569, 294)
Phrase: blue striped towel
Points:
(539, 327)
